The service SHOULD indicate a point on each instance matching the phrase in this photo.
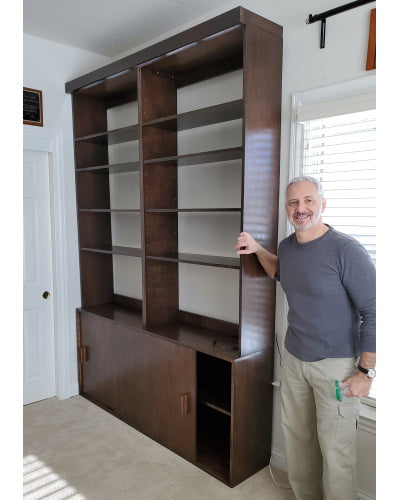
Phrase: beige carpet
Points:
(74, 450)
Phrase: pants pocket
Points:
(346, 423)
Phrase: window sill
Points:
(367, 420)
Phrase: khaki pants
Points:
(319, 431)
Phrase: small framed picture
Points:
(33, 107)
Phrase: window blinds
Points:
(340, 152)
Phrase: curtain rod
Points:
(332, 12)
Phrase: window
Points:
(340, 151)
(335, 141)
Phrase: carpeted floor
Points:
(74, 450)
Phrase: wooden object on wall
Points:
(371, 54)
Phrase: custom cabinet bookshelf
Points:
(176, 152)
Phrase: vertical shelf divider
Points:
(157, 98)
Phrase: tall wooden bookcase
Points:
(155, 346)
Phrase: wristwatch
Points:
(369, 372)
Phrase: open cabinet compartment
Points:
(214, 386)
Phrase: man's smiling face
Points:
(304, 205)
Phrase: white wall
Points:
(47, 66)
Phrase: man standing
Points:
(329, 282)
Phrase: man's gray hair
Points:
(308, 178)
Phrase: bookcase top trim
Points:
(234, 17)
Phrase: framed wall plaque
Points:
(33, 107)
(371, 54)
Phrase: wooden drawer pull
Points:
(185, 404)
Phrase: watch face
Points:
(371, 373)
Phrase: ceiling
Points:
(110, 27)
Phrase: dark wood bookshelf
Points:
(198, 384)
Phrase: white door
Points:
(39, 355)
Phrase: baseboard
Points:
(71, 390)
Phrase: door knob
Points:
(46, 294)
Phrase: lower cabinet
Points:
(214, 412)
(95, 343)
(155, 389)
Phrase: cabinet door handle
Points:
(185, 404)
(84, 353)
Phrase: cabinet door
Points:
(97, 370)
(155, 389)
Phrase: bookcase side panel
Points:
(251, 416)
(262, 70)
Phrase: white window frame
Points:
(349, 91)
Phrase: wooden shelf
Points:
(200, 117)
(215, 401)
(110, 137)
(204, 260)
(192, 210)
(117, 250)
(199, 158)
(110, 210)
(118, 313)
(200, 339)
(116, 168)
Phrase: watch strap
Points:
(366, 371)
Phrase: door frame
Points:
(50, 141)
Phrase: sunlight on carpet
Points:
(41, 481)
